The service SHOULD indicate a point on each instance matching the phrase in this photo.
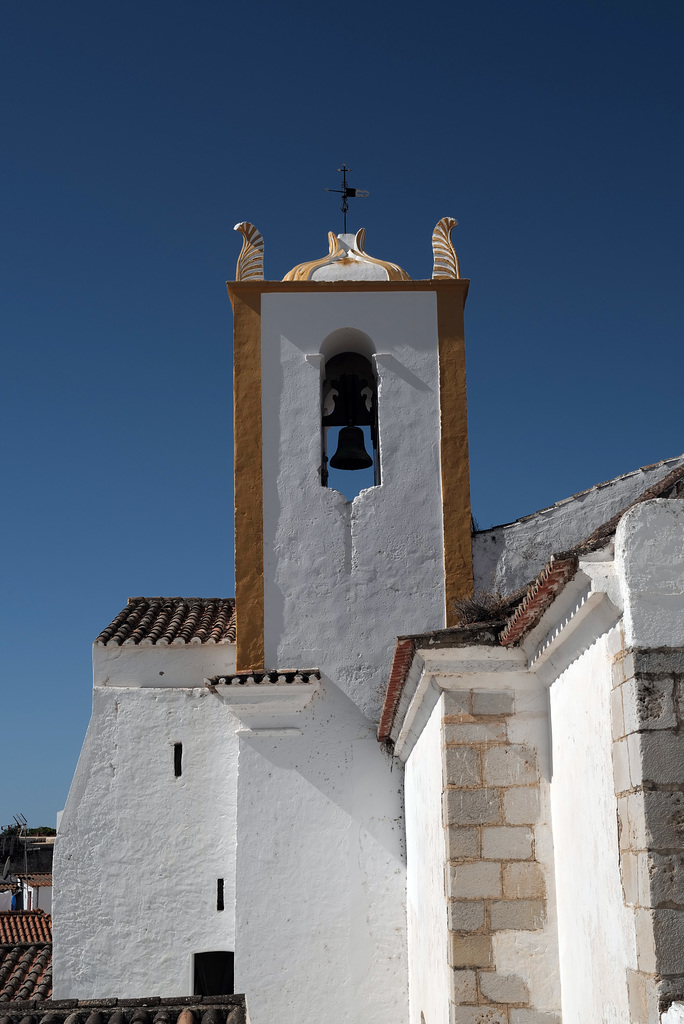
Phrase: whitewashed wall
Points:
(321, 879)
(342, 580)
(321, 868)
(649, 554)
(429, 981)
(139, 851)
(37, 897)
(159, 665)
(595, 929)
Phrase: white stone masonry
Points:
(501, 941)
(648, 761)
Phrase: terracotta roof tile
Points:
(401, 663)
(172, 620)
(472, 634)
(540, 595)
(283, 676)
(181, 1010)
(25, 972)
(27, 926)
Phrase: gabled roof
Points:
(527, 605)
(542, 591)
(538, 595)
(172, 620)
(506, 557)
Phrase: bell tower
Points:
(347, 366)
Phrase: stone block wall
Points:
(495, 882)
(647, 716)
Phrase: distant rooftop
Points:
(24, 926)
(37, 879)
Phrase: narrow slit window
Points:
(177, 759)
(219, 894)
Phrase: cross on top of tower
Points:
(347, 192)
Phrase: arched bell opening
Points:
(349, 418)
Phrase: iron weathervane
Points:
(347, 192)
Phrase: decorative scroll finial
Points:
(250, 264)
(445, 259)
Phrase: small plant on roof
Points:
(483, 606)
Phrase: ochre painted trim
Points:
(245, 288)
(458, 557)
(342, 255)
(303, 271)
(458, 551)
(249, 498)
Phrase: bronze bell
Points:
(351, 451)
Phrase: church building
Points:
(412, 773)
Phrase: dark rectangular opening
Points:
(178, 759)
(219, 894)
(214, 973)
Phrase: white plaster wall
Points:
(675, 1014)
(161, 665)
(425, 869)
(343, 579)
(649, 555)
(595, 929)
(321, 880)
(139, 851)
(40, 897)
(44, 898)
(507, 557)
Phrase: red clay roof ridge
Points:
(401, 664)
(539, 597)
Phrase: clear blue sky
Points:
(136, 135)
